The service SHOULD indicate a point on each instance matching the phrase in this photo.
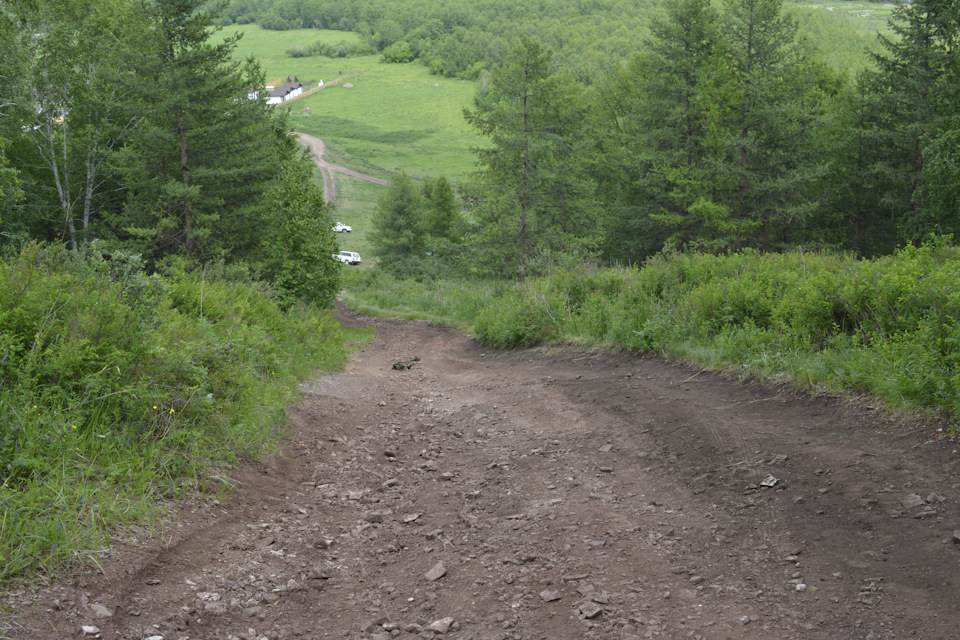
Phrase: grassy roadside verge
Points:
(119, 391)
(886, 326)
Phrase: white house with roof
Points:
(287, 91)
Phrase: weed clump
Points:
(118, 389)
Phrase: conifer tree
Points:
(397, 222)
(441, 216)
(650, 127)
(204, 151)
(915, 87)
(763, 106)
(531, 198)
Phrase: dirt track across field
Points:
(317, 149)
(547, 494)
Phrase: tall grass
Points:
(119, 390)
(887, 326)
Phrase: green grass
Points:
(396, 117)
(357, 199)
(121, 391)
(269, 47)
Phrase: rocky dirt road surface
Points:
(549, 494)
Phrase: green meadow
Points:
(356, 201)
(395, 117)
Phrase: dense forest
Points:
(721, 127)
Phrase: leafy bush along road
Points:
(886, 325)
(562, 494)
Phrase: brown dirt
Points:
(567, 493)
(317, 149)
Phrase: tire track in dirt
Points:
(554, 493)
(327, 169)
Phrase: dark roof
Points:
(285, 88)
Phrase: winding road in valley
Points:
(327, 169)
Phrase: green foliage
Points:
(398, 52)
(117, 389)
(397, 225)
(196, 167)
(74, 119)
(297, 240)
(341, 49)
(524, 317)
(915, 92)
(10, 190)
(416, 230)
(884, 326)
(531, 201)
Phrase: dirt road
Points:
(551, 494)
(317, 148)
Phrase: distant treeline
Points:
(461, 39)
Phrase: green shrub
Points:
(117, 389)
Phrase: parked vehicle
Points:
(349, 257)
(342, 228)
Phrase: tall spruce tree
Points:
(763, 103)
(204, 152)
(531, 198)
(854, 216)
(397, 223)
(915, 88)
(441, 221)
(650, 128)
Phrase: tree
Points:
(531, 199)
(650, 126)
(12, 84)
(397, 233)
(440, 219)
(854, 216)
(75, 121)
(762, 100)
(204, 151)
(398, 52)
(915, 88)
(297, 242)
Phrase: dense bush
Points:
(118, 388)
(342, 49)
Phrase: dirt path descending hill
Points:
(550, 494)
(317, 149)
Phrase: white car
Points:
(342, 228)
(349, 257)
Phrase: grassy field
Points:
(395, 117)
(357, 198)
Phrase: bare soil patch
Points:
(554, 493)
